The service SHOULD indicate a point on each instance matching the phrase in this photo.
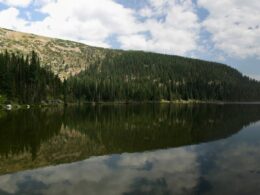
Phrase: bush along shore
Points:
(10, 105)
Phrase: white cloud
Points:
(80, 20)
(145, 12)
(16, 3)
(167, 26)
(173, 27)
(87, 21)
(94, 22)
(236, 31)
(9, 18)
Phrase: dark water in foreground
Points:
(148, 149)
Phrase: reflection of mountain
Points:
(139, 128)
(25, 130)
(57, 136)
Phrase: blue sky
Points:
(193, 28)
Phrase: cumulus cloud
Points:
(9, 18)
(16, 3)
(168, 26)
(164, 26)
(86, 21)
(236, 31)
(173, 28)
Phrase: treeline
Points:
(142, 76)
(125, 76)
(23, 80)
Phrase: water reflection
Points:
(117, 174)
(133, 141)
(37, 138)
(232, 166)
(227, 166)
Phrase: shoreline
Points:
(171, 102)
(175, 102)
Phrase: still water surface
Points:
(138, 149)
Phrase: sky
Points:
(226, 31)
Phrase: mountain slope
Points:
(64, 57)
(98, 74)
(144, 76)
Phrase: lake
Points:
(131, 149)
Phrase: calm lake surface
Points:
(131, 149)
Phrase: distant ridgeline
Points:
(125, 77)
(143, 76)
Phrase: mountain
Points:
(64, 57)
(96, 74)
(143, 76)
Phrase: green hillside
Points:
(142, 76)
(98, 74)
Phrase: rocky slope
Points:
(65, 58)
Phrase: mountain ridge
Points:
(95, 74)
(67, 58)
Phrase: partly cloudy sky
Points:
(226, 31)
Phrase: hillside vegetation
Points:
(104, 75)
(142, 76)
(24, 81)
(65, 58)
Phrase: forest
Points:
(144, 76)
(24, 81)
(129, 76)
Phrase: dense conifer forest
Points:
(126, 77)
(143, 76)
(23, 80)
